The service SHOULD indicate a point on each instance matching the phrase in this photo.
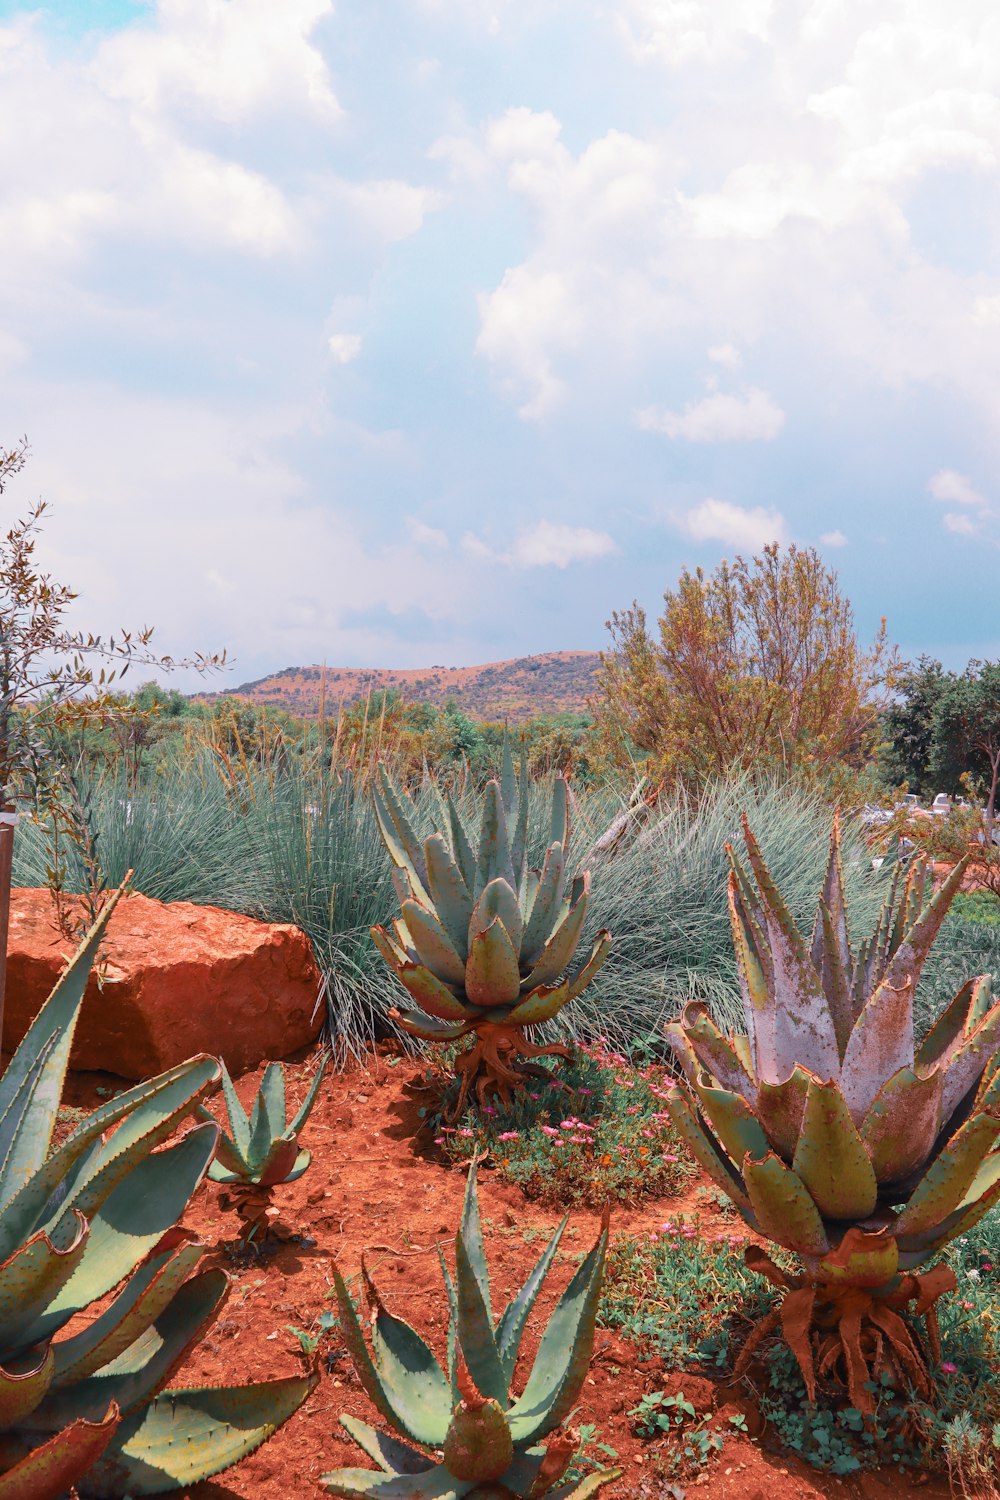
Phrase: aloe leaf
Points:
(967, 1065)
(902, 1124)
(409, 1375)
(264, 1127)
(508, 781)
(555, 957)
(559, 822)
(34, 1275)
(130, 1223)
(582, 976)
(450, 894)
(138, 1372)
(583, 1489)
(492, 977)
(452, 1295)
(21, 1391)
(831, 1159)
(403, 847)
(493, 860)
(909, 958)
(510, 1329)
(392, 1456)
(542, 1004)
(880, 1044)
(426, 1028)
(758, 1010)
(783, 1208)
(710, 1156)
(434, 947)
(464, 853)
(519, 843)
(280, 1162)
(432, 995)
(475, 1329)
(239, 1120)
(305, 1109)
(470, 1233)
(564, 1352)
(51, 1470)
(361, 1484)
(143, 1298)
(949, 1177)
(545, 907)
(980, 1198)
(184, 1436)
(780, 1107)
(55, 1023)
(830, 949)
(498, 899)
(733, 1121)
(961, 1015)
(716, 1052)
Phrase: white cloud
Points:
(726, 355)
(426, 536)
(678, 32)
(747, 530)
(833, 539)
(344, 347)
(546, 544)
(953, 488)
(718, 418)
(960, 524)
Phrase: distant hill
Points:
(553, 682)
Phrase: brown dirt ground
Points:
(377, 1183)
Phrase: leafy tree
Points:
(966, 733)
(756, 664)
(908, 725)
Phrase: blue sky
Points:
(401, 333)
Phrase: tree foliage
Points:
(756, 665)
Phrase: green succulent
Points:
(82, 1404)
(484, 945)
(487, 1443)
(832, 1131)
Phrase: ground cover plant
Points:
(599, 1133)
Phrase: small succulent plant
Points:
(484, 945)
(832, 1131)
(486, 1443)
(263, 1150)
(82, 1404)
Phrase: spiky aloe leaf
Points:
(508, 781)
(780, 1107)
(555, 957)
(783, 1208)
(392, 1456)
(949, 1177)
(715, 1051)
(545, 908)
(429, 992)
(966, 1065)
(707, 1153)
(475, 1329)
(146, 1294)
(305, 1109)
(902, 1124)
(361, 1484)
(267, 1119)
(862, 1258)
(961, 1016)
(519, 843)
(50, 1470)
(910, 956)
(450, 894)
(239, 1120)
(493, 860)
(426, 1028)
(880, 1044)
(184, 1436)
(753, 979)
(129, 1224)
(452, 1295)
(465, 856)
(982, 1196)
(564, 1352)
(34, 1276)
(830, 1158)
(582, 976)
(23, 1390)
(498, 899)
(409, 1375)
(733, 1121)
(144, 1366)
(492, 976)
(830, 949)
(510, 1329)
(434, 947)
(277, 1166)
(541, 1005)
(397, 831)
(559, 822)
(470, 1234)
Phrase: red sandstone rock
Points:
(178, 979)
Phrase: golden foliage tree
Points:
(757, 665)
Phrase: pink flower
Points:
(671, 1158)
(585, 1091)
(488, 1109)
(968, 1306)
(579, 1140)
(466, 1132)
(947, 1368)
(510, 1135)
(549, 1130)
(633, 1109)
(987, 1266)
(439, 1141)
(534, 1096)
(569, 1124)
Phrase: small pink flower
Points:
(968, 1306)
(633, 1109)
(466, 1132)
(549, 1130)
(534, 1096)
(579, 1140)
(567, 1124)
(987, 1266)
(585, 1091)
(439, 1141)
(671, 1158)
(947, 1368)
(510, 1135)
(488, 1109)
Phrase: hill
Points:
(553, 682)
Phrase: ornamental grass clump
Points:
(263, 1150)
(82, 1404)
(486, 1442)
(833, 1133)
(484, 945)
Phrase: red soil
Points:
(377, 1183)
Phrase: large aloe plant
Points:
(263, 1150)
(82, 1404)
(484, 945)
(832, 1131)
(488, 1442)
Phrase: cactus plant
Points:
(834, 1134)
(84, 1407)
(263, 1150)
(484, 945)
(489, 1443)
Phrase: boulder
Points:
(175, 979)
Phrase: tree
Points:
(49, 674)
(966, 734)
(908, 725)
(757, 664)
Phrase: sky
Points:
(433, 332)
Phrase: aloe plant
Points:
(488, 1442)
(484, 945)
(262, 1151)
(84, 1406)
(836, 1135)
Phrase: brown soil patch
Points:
(378, 1183)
